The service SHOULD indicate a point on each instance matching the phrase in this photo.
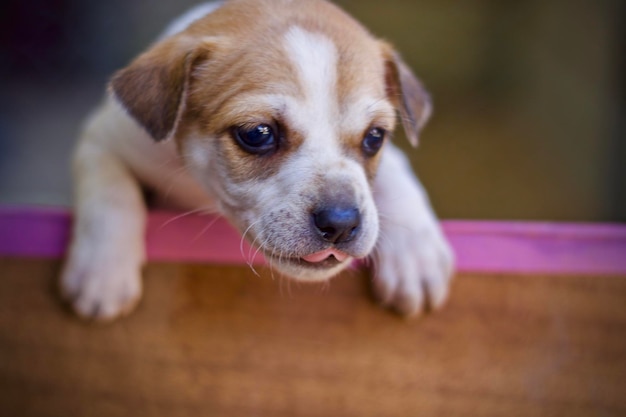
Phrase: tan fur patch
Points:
(219, 86)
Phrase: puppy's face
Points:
(282, 117)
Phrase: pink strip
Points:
(539, 248)
(482, 246)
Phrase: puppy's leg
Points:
(413, 261)
(101, 277)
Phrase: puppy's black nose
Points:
(337, 224)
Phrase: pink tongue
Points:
(324, 254)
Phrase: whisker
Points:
(172, 179)
(253, 245)
(259, 248)
(205, 229)
(243, 238)
(250, 261)
(204, 210)
(253, 269)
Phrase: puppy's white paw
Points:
(101, 285)
(413, 267)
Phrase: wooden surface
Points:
(217, 341)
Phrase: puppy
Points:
(278, 115)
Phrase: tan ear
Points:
(154, 86)
(407, 94)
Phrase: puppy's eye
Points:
(373, 141)
(258, 140)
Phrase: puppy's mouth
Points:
(324, 259)
(326, 255)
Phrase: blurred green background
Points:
(529, 96)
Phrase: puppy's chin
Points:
(301, 270)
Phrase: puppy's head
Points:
(280, 109)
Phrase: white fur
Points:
(413, 260)
(314, 57)
(365, 109)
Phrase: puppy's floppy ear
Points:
(153, 88)
(407, 94)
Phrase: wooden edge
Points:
(480, 246)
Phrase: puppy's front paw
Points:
(413, 267)
(101, 286)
